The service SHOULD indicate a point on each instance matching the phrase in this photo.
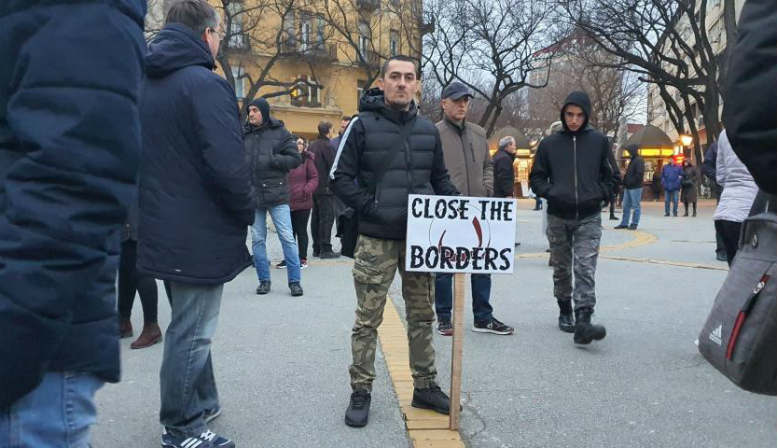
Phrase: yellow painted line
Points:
(641, 239)
(667, 262)
(426, 429)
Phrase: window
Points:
(306, 31)
(240, 79)
(311, 96)
(320, 31)
(289, 37)
(360, 90)
(364, 39)
(237, 38)
(394, 43)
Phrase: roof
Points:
(650, 137)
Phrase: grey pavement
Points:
(281, 362)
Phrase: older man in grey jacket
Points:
(466, 155)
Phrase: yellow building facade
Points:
(339, 50)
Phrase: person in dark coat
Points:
(749, 102)
(323, 199)
(689, 183)
(633, 189)
(709, 170)
(572, 170)
(67, 175)
(502, 164)
(195, 206)
(130, 282)
(671, 183)
(272, 153)
(302, 183)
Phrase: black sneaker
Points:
(329, 254)
(212, 414)
(296, 289)
(281, 265)
(207, 439)
(633, 227)
(358, 408)
(492, 326)
(264, 287)
(620, 226)
(431, 398)
(444, 328)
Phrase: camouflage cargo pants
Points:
(575, 245)
(375, 262)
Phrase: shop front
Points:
(522, 163)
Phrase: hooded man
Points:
(573, 173)
(633, 189)
(272, 152)
(195, 205)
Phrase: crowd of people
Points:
(84, 196)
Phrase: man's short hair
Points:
(324, 128)
(505, 141)
(400, 57)
(198, 15)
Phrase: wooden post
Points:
(456, 349)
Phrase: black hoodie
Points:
(194, 189)
(633, 178)
(571, 169)
(372, 143)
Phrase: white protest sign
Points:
(460, 234)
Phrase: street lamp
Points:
(686, 140)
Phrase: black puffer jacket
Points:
(416, 168)
(572, 170)
(272, 153)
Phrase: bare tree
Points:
(666, 43)
(493, 46)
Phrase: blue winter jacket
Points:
(70, 74)
(194, 189)
(671, 177)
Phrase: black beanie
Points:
(264, 108)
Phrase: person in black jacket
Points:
(272, 153)
(709, 170)
(749, 101)
(323, 200)
(375, 170)
(573, 173)
(633, 189)
(502, 164)
(67, 175)
(195, 206)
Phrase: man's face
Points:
(399, 84)
(456, 110)
(574, 117)
(511, 148)
(213, 37)
(344, 125)
(255, 116)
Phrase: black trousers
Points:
(300, 231)
(730, 234)
(321, 222)
(130, 282)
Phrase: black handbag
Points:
(738, 337)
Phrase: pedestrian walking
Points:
(130, 282)
(689, 185)
(503, 168)
(633, 189)
(656, 183)
(616, 186)
(195, 207)
(272, 153)
(373, 177)
(466, 155)
(67, 174)
(671, 183)
(573, 172)
(323, 199)
(737, 196)
(303, 181)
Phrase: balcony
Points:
(317, 51)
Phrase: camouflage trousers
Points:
(375, 263)
(575, 245)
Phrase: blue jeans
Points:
(282, 219)
(57, 413)
(631, 202)
(187, 386)
(480, 287)
(671, 195)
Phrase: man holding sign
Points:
(386, 153)
(467, 158)
(573, 173)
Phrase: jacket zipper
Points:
(575, 175)
(464, 156)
